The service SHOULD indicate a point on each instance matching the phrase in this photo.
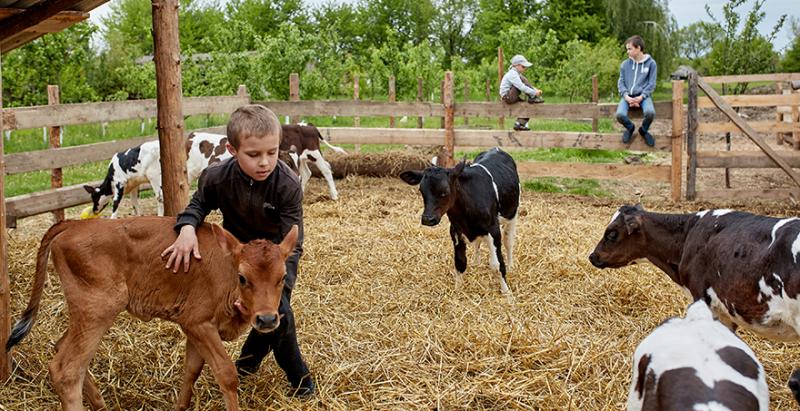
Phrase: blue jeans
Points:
(648, 109)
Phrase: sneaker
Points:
(648, 138)
(535, 100)
(520, 127)
(305, 389)
(244, 369)
(627, 135)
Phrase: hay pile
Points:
(382, 326)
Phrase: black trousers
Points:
(283, 341)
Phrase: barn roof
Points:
(22, 21)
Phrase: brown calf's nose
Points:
(266, 322)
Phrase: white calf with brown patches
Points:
(696, 363)
(744, 266)
(304, 140)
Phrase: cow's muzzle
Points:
(430, 220)
(594, 258)
(265, 323)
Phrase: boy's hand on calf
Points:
(182, 249)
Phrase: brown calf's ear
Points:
(226, 240)
(412, 177)
(289, 242)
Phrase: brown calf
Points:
(108, 266)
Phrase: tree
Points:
(410, 19)
(791, 61)
(491, 18)
(451, 27)
(651, 20)
(695, 40)
(575, 19)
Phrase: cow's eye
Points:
(242, 279)
(612, 235)
(443, 195)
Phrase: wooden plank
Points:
(34, 15)
(778, 115)
(663, 110)
(294, 93)
(347, 108)
(796, 120)
(66, 114)
(761, 194)
(729, 127)
(749, 78)
(5, 291)
(45, 201)
(623, 172)
(744, 159)
(420, 120)
(725, 108)
(501, 121)
(392, 98)
(489, 138)
(566, 111)
(69, 156)
(595, 100)
(691, 138)
(448, 148)
(744, 100)
(677, 139)
(56, 176)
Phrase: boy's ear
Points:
(231, 149)
(411, 177)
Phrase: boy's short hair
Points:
(635, 41)
(252, 120)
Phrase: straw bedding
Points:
(382, 326)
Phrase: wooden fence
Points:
(785, 132)
(449, 137)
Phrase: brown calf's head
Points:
(261, 267)
(623, 241)
(438, 187)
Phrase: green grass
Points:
(583, 187)
(560, 155)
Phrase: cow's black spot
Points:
(739, 361)
(644, 362)
(128, 160)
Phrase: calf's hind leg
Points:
(90, 392)
(509, 237)
(496, 261)
(193, 365)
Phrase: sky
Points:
(685, 11)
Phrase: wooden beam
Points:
(663, 110)
(5, 292)
(501, 70)
(759, 126)
(45, 201)
(691, 137)
(56, 176)
(623, 172)
(744, 159)
(167, 54)
(677, 138)
(748, 131)
(595, 100)
(33, 16)
(749, 78)
(294, 93)
(448, 148)
(69, 156)
(745, 100)
(761, 194)
(66, 114)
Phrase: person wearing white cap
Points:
(514, 83)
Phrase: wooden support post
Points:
(466, 99)
(392, 98)
(778, 114)
(420, 120)
(441, 95)
(56, 176)
(169, 100)
(501, 121)
(691, 138)
(294, 93)
(5, 292)
(242, 91)
(747, 130)
(448, 99)
(596, 99)
(356, 119)
(796, 119)
(677, 138)
(488, 90)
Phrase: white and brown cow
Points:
(304, 141)
(141, 164)
(696, 363)
(744, 266)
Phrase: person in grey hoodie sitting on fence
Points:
(637, 81)
(514, 83)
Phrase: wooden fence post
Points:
(441, 95)
(446, 153)
(778, 114)
(5, 293)
(677, 138)
(796, 119)
(466, 99)
(501, 121)
(56, 176)
(392, 98)
(420, 120)
(488, 90)
(356, 119)
(595, 100)
(169, 98)
(691, 138)
(294, 93)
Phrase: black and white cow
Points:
(141, 164)
(696, 363)
(476, 197)
(304, 140)
(744, 266)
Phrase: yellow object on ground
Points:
(87, 213)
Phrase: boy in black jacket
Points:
(259, 197)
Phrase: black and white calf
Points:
(304, 141)
(477, 198)
(141, 164)
(744, 266)
(696, 363)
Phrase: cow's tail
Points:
(331, 146)
(25, 323)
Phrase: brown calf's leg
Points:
(205, 338)
(193, 365)
(90, 392)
